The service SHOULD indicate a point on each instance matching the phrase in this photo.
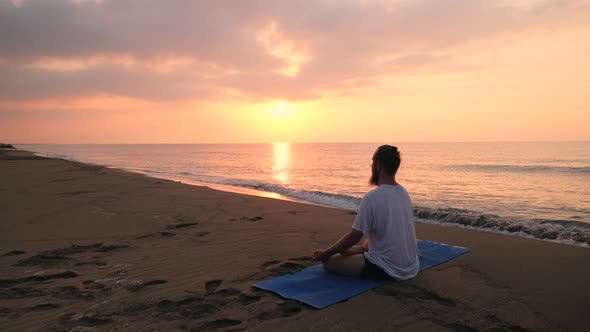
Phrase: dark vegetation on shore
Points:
(6, 146)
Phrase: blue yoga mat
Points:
(319, 289)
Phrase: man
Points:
(386, 217)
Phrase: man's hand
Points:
(320, 255)
(342, 245)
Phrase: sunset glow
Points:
(321, 71)
(281, 110)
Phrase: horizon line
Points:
(317, 142)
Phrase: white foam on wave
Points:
(495, 231)
(559, 231)
(525, 168)
(317, 197)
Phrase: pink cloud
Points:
(316, 45)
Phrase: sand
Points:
(85, 247)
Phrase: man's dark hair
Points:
(389, 157)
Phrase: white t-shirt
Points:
(386, 216)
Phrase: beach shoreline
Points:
(91, 246)
(455, 194)
(214, 186)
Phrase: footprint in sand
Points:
(38, 278)
(414, 292)
(91, 263)
(91, 284)
(170, 304)
(295, 212)
(141, 285)
(58, 256)
(212, 285)
(223, 293)
(9, 313)
(272, 269)
(110, 248)
(287, 267)
(73, 320)
(152, 235)
(228, 295)
(198, 307)
(188, 308)
(246, 299)
(74, 249)
(133, 310)
(72, 293)
(15, 313)
(44, 307)
(21, 293)
(217, 324)
(64, 292)
(267, 264)
(14, 253)
(281, 267)
(154, 282)
(257, 218)
(177, 226)
(42, 260)
(75, 193)
(172, 227)
(287, 309)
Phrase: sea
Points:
(528, 189)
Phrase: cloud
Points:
(24, 83)
(178, 50)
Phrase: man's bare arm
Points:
(347, 241)
(358, 249)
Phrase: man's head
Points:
(386, 161)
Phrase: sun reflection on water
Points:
(282, 159)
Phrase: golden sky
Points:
(151, 71)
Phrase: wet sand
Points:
(84, 247)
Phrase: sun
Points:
(281, 110)
(281, 120)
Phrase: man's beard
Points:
(374, 180)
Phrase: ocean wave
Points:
(524, 168)
(313, 196)
(563, 231)
(54, 155)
